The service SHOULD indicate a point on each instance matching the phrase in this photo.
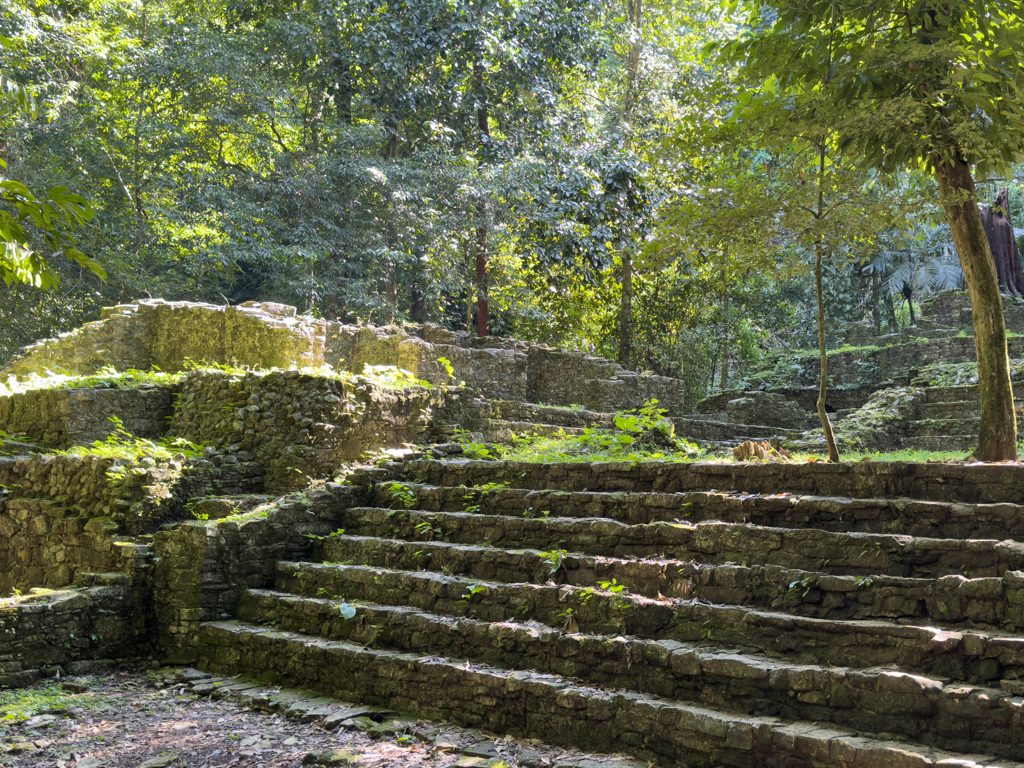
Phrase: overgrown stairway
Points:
(707, 614)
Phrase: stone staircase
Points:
(697, 615)
(919, 418)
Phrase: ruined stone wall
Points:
(138, 496)
(293, 425)
(168, 334)
(62, 515)
(201, 569)
(953, 309)
(60, 418)
(153, 332)
(65, 632)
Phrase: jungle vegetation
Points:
(681, 185)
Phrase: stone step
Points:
(949, 409)
(840, 514)
(500, 431)
(960, 427)
(712, 430)
(978, 656)
(808, 549)
(644, 577)
(948, 601)
(963, 394)
(972, 483)
(951, 716)
(965, 443)
(509, 410)
(550, 707)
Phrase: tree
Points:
(52, 216)
(938, 84)
(1002, 241)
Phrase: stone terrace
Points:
(699, 615)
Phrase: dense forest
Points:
(652, 181)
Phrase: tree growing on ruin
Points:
(937, 84)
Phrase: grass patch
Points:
(20, 704)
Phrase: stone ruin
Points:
(687, 614)
(915, 390)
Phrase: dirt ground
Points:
(121, 720)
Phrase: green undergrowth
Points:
(122, 444)
(642, 434)
(22, 704)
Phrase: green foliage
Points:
(121, 444)
(26, 216)
(554, 559)
(21, 704)
(106, 378)
(639, 435)
(401, 495)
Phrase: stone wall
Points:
(60, 418)
(62, 515)
(138, 496)
(201, 569)
(167, 334)
(953, 309)
(66, 632)
(293, 425)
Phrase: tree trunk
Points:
(826, 425)
(418, 299)
(467, 251)
(725, 331)
(626, 311)
(999, 232)
(997, 439)
(483, 324)
(876, 311)
(391, 288)
(631, 98)
(343, 94)
(890, 312)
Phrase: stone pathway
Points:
(185, 719)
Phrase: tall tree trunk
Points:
(343, 92)
(483, 323)
(626, 311)
(418, 302)
(999, 232)
(997, 438)
(391, 288)
(890, 314)
(467, 246)
(725, 331)
(876, 311)
(826, 425)
(819, 246)
(631, 98)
